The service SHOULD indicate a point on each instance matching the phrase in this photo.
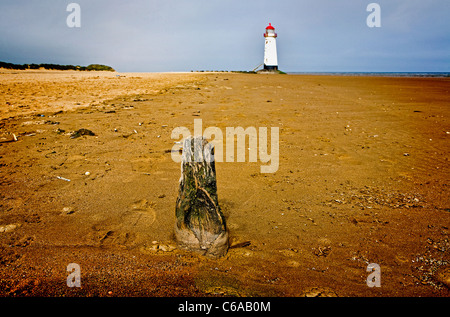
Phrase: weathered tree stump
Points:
(200, 223)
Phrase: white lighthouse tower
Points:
(270, 49)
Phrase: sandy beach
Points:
(363, 178)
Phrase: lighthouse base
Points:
(270, 71)
(267, 67)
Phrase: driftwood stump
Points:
(200, 223)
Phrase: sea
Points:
(385, 74)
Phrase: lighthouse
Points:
(270, 49)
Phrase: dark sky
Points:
(184, 35)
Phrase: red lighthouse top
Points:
(270, 31)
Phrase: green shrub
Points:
(94, 67)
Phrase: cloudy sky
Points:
(184, 35)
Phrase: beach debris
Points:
(152, 248)
(179, 151)
(322, 251)
(87, 173)
(369, 197)
(9, 228)
(432, 266)
(166, 247)
(442, 275)
(51, 122)
(68, 210)
(200, 224)
(126, 136)
(15, 138)
(240, 244)
(80, 132)
(62, 178)
(156, 247)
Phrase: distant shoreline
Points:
(91, 67)
(365, 74)
(383, 74)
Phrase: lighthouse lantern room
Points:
(270, 49)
